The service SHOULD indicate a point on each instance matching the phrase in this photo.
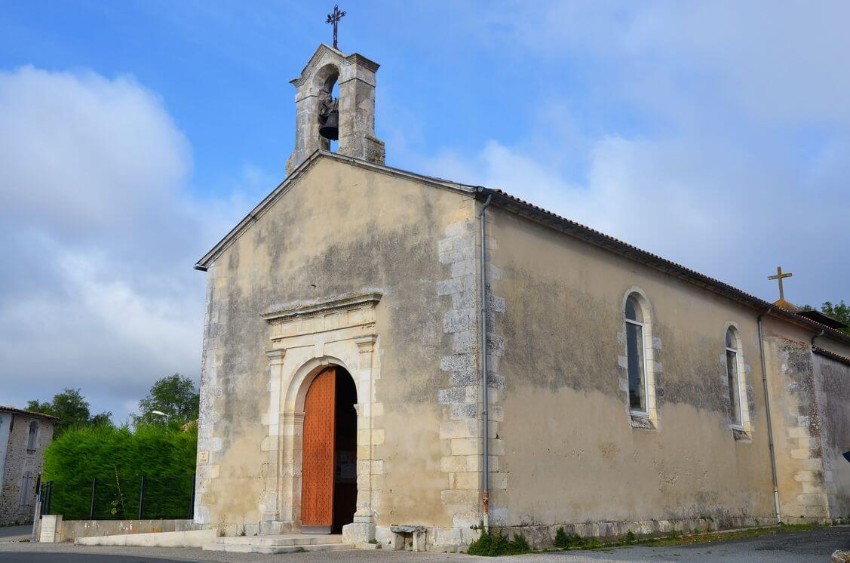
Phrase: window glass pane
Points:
(731, 340)
(33, 435)
(732, 374)
(633, 310)
(634, 347)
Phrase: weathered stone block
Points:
(451, 395)
(464, 410)
(465, 446)
(453, 464)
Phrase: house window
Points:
(733, 375)
(32, 440)
(636, 354)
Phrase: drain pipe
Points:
(769, 422)
(818, 335)
(485, 398)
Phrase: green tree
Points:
(175, 396)
(838, 311)
(72, 410)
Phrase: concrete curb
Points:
(192, 538)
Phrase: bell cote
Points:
(355, 107)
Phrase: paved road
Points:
(800, 547)
(15, 533)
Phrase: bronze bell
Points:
(330, 128)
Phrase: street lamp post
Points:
(162, 414)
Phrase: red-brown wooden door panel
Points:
(317, 469)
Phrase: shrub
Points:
(561, 539)
(493, 545)
(118, 458)
(573, 541)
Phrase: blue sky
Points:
(135, 134)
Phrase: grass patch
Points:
(573, 541)
(494, 545)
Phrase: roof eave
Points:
(591, 236)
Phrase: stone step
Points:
(288, 543)
(303, 548)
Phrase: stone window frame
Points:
(743, 428)
(642, 419)
(32, 437)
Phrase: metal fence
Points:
(139, 497)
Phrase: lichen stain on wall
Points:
(694, 369)
(566, 349)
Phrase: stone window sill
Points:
(741, 435)
(641, 421)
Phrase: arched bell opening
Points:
(329, 453)
(328, 108)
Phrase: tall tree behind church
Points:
(175, 396)
(72, 410)
(839, 311)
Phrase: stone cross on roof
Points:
(780, 276)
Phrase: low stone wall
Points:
(542, 537)
(193, 538)
(55, 530)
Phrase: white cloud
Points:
(733, 154)
(713, 208)
(98, 234)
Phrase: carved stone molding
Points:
(352, 313)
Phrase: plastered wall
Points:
(566, 446)
(341, 230)
(809, 400)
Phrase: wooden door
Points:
(317, 468)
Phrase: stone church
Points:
(391, 355)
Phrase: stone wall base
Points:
(543, 537)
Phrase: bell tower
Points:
(354, 111)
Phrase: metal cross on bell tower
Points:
(334, 19)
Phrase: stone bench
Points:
(409, 536)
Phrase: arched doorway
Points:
(329, 454)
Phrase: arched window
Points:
(636, 354)
(32, 440)
(733, 375)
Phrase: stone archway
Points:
(306, 340)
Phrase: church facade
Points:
(387, 352)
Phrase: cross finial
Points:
(334, 19)
(780, 276)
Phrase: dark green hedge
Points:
(118, 459)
